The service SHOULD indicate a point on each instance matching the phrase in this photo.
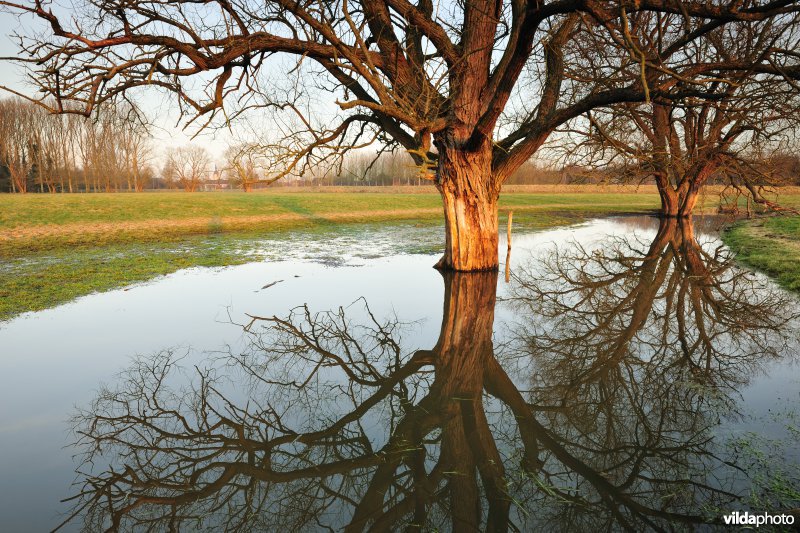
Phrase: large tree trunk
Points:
(680, 202)
(469, 195)
(669, 199)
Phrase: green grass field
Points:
(19, 211)
(54, 248)
(771, 245)
(37, 223)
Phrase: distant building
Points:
(216, 181)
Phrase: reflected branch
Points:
(324, 420)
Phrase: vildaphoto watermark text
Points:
(747, 518)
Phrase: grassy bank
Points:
(54, 248)
(771, 245)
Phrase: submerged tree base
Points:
(442, 266)
(675, 215)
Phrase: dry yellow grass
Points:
(193, 225)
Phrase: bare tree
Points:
(723, 134)
(102, 164)
(247, 167)
(673, 298)
(137, 152)
(16, 142)
(382, 168)
(189, 165)
(65, 135)
(168, 174)
(241, 167)
(470, 89)
(43, 151)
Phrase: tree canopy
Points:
(401, 71)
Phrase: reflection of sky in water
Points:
(56, 359)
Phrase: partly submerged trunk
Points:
(469, 194)
(678, 202)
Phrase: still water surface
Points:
(627, 375)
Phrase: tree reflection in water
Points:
(639, 350)
(324, 422)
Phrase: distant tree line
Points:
(114, 151)
(43, 152)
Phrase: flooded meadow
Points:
(622, 374)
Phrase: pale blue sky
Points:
(9, 74)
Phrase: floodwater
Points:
(626, 375)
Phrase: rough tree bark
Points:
(469, 196)
(678, 202)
